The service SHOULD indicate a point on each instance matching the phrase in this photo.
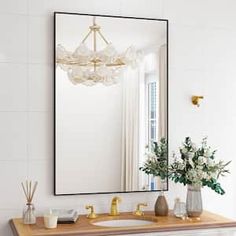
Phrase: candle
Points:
(50, 220)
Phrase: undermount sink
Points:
(121, 222)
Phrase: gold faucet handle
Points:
(92, 214)
(138, 211)
(116, 199)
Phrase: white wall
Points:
(202, 61)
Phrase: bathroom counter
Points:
(83, 225)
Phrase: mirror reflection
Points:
(110, 102)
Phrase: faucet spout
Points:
(114, 206)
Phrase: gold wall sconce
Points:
(196, 100)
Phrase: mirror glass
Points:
(110, 101)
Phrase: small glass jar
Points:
(29, 214)
(179, 208)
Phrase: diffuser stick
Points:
(35, 186)
(24, 190)
(29, 190)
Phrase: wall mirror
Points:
(111, 101)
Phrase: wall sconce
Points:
(196, 100)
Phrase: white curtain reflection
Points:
(130, 132)
(140, 126)
(149, 123)
(162, 126)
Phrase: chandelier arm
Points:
(85, 38)
(94, 41)
(94, 47)
(115, 64)
(104, 39)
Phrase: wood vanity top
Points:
(83, 225)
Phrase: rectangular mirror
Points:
(111, 101)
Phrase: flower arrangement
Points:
(197, 166)
(156, 163)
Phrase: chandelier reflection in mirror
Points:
(91, 66)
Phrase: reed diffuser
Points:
(29, 210)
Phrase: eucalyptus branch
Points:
(156, 162)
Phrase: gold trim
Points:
(96, 62)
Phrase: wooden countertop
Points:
(83, 225)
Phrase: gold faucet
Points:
(138, 211)
(92, 214)
(114, 209)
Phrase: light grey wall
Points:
(202, 62)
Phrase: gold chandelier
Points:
(91, 66)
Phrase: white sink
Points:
(122, 223)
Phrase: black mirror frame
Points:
(54, 98)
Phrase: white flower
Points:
(204, 175)
(199, 167)
(213, 175)
(150, 156)
(207, 153)
(208, 176)
(201, 159)
(210, 162)
(184, 150)
(192, 174)
(190, 161)
(194, 147)
(190, 155)
(181, 166)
